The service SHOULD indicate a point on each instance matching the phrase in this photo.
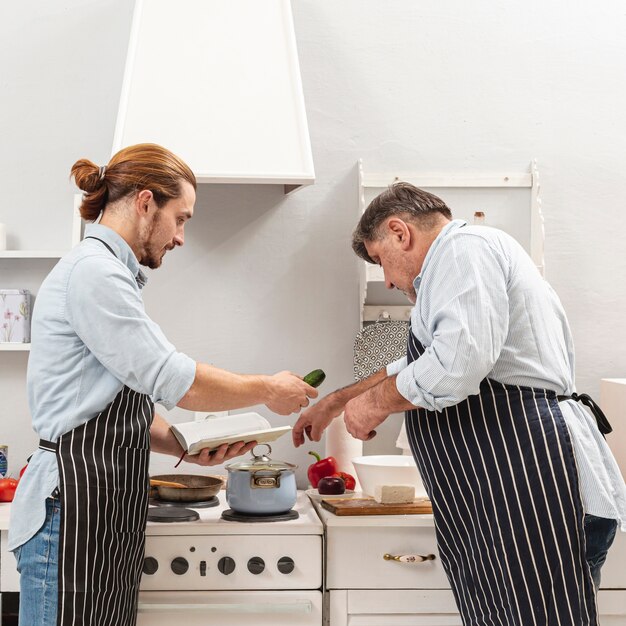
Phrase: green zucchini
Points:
(315, 378)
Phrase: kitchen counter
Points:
(389, 521)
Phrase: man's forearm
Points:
(162, 439)
(216, 389)
(386, 397)
(345, 394)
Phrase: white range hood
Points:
(218, 83)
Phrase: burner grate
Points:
(233, 516)
(172, 514)
(196, 504)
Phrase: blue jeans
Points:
(37, 563)
(599, 536)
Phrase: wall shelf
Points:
(26, 255)
(14, 347)
(32, 254)
(510, 200)
(76, 236)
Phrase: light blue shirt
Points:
(90, 337)
(484, 310)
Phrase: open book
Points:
(212, 432)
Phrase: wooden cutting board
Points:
(369, 506)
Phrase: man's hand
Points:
(366, 411)
(315, 420)
(362, 417)
(288, 393)
(224, 453)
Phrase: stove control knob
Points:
(150, 565)
(285, 565)
(226, 565)
(180, 565)
(256, 565)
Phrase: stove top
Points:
(210, 522)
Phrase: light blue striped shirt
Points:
(483, 310)
(90, 337)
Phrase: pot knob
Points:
(261, 458)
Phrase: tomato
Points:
(7, 489)
(23, 470)
(347, 479)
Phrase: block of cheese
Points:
(394, 494)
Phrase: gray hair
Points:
(402, 199)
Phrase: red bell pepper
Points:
(321, 469)
(347, 479)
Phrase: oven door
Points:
(230, 608)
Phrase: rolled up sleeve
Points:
(466, 314)
(105, 309)
(396, 367)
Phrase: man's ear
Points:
(400, 232)
(142, 201)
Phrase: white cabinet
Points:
(510, 201)
(17, 258)
(364, 589)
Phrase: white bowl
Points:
(388, 469)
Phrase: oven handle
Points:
(267, 608)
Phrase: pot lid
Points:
(260, 462)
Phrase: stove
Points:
(213, 570)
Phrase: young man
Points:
(97, 365)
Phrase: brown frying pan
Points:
(193, 487)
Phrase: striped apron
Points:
(103, 488)
(500, 471)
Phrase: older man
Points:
(526, 494)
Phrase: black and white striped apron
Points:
(500, 470)
(103, 488)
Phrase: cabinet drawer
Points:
(393, 607)
(355, 558)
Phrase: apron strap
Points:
(603, 423)
(102, 242)
(49, 446)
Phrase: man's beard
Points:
(152, 257)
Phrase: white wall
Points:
(265, 283)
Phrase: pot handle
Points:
(265, 482)
(262, 457)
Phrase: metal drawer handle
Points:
(410, 558)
